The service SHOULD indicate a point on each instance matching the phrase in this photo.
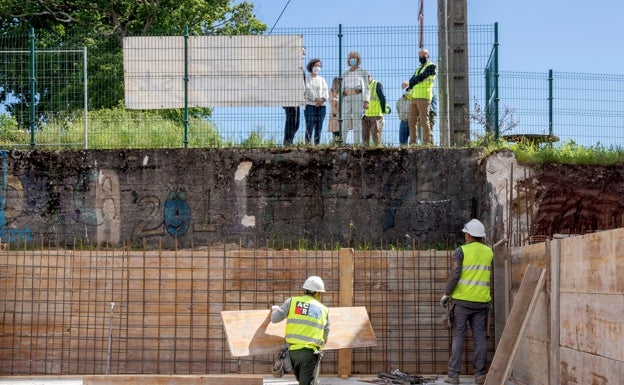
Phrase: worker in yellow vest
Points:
(468, 295)
(420, 92)
(307, 327)
(372, 122)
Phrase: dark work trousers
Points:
(292, 125)
(314, 117)
(304, 363)
(477, 319)
(403, 132)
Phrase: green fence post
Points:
(186, 81)
(32, 88)
(550, 103)
(340, 138)
(497, 98)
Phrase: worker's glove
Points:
(444, 300)
(274, 307)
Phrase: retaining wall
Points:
(190, 197)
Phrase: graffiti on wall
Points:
(108, 207)
(11, 204)
(175, 217)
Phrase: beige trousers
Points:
(419, 113)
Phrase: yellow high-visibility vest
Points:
(474, 281)
(424, 89)
(374, 106)
(305, 324)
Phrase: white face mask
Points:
(352, 61)
(316, 70)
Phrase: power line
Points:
(280, 16)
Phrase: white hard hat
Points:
(474, 228)
(314, 283)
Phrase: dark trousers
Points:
(314, 117)
(304, 364)
(292, 124)
(403, 132)
(477, 319)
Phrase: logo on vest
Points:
(307, 309)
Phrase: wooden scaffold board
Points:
(250, 332)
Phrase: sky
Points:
(534, 36)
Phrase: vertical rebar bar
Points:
(110, 338)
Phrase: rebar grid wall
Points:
(120, 311)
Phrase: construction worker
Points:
(420, 92)
(307, 327)
(372, 121)
(468, 291)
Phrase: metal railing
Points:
(70, 110)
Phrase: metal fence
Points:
(582, 107)
(75, 106)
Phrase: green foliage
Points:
(114, 128)
(9, 131)
(567, 153)
(257, 140)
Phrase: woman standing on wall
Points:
(355, 97)
(316, 94)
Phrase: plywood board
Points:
(215, 379)
(585, 368)
(250, 332)
(592, 263)
(592, 323)
(521, 310)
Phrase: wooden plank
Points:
(345, 356)
(555, 314)
(250, 332)
(514, 329)
(204, 379)
(501, 251)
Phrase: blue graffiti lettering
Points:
(177, 213)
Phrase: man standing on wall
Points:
(420, 92)
(468, 291)
(307, 327)
(372, 122)
(291, 124)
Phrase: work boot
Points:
(451, 380)
(480, 379)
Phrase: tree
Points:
(101, 25)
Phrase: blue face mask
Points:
(352, 61)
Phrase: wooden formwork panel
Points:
(250, 332)
(592, 323)
(584, 368)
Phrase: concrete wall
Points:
(202, 196)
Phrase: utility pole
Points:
(453, 93)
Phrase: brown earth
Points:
(577, 199)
